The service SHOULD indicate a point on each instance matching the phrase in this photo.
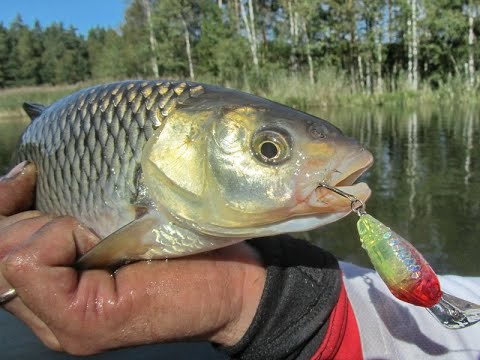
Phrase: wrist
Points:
(301, 288)
(244, 285)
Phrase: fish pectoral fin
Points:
(149, 237)
(129, 243)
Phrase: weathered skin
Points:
(185, 167)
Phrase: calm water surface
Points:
(426, 186)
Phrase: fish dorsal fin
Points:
(33, 110)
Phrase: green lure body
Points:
(404, 270)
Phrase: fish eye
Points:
(269, 149)
(271, 146)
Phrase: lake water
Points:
(426, 186)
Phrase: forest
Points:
(297, 51)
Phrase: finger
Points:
(41, 273)
(84, 239)
(15, 230)
(13, 235)
(23, 313)
(42, 228)
(24, 215)
(17, 189)
(42, 266)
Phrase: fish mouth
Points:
(343, 178)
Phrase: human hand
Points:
(211, 296)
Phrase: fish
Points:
(164, 169)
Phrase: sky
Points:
(81, 14)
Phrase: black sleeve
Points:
(302, 287)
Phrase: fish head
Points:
(252, 168)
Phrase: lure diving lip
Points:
(404, 270)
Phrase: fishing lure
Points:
(406, 273)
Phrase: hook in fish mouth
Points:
(357, 205)
(343, 178)
(324, 196)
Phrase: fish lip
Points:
(351, 169)
(344, 179)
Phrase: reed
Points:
(332, 88)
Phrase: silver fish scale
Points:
(88, 146)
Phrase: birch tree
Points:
(390, 5)
(174, 21)
(472, 12)
(394, 54)
(249, 23)
(293, 26)
(371, 22)
(412, 37)
(185, 13)
(343, 16)
(311, 76)
(379, 50)
(188, 49)
(298, 14)
(137, 51)
(151, 36)
(368, 42)
(305, 11)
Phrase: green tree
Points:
(4, 51)
(221, 51)
(13, 64)
(27, 54)
(65, 58)
(444, 44)
(135, 36)
(370, 15)
(177, 23)
(106, 54)
(342, 21)
(378, 44)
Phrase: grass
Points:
(11, 100)
(334, 89)
(331, 89)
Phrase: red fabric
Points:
(342, 339)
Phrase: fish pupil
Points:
(269, 150)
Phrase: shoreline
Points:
(295, 92)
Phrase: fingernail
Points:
(17, 170)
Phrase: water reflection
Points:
(468, 140)
(425, 181)
(412, 160)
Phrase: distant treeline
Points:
(374, 46)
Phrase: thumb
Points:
(17, 189)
